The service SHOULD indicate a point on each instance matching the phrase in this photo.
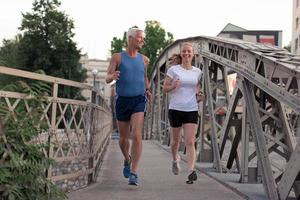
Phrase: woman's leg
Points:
(190, 130)
(175, 141)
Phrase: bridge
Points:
(248, 132)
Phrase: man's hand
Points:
(149, 96)
(113, 76)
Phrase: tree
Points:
(9, 53)
(156, 40)
(47, 43)
(117, 44)
(10, 57)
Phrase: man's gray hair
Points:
(132, 32)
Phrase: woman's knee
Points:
(175, 142)
(190, 142)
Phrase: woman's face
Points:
(187, 53)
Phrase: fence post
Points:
(53, 126)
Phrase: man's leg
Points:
(124, 138)
(137, 122)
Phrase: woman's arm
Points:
(170, 84)
(199, 93)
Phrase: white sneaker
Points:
(176, 166)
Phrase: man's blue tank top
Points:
(132, 81)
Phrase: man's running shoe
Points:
(133, 179)
(126, 169)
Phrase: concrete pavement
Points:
(156, 180)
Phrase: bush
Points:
(23, 163)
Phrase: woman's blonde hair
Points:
(187, 44)
(175, 59)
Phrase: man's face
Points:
(138, 40)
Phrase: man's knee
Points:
(136, 136)
(123, 139)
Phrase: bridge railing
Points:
(77, 131)
(249, 128)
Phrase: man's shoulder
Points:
(145, 59)
(116, 57)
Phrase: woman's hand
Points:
(176, 83)
(200, 96)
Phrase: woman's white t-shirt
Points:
(183, 98)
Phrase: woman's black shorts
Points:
(177, 118)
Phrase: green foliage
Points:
(22, 161)
(156, 40)
(9, 57)
(118, 45)
(46, 44)
(9, 53)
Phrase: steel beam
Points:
(260, 142)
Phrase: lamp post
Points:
(92, 129)
(94, 72)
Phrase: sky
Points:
(98, 21)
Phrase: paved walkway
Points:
(156, 180)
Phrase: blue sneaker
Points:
(133, 179)
(126, 169)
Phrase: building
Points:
(96, 69)
(295, 46)
(272, 37)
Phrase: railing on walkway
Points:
(77, 130)
(251, 127)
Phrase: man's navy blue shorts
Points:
(126, 106)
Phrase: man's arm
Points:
(112, 72)
(147, 84)
(146, 63)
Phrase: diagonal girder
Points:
(260, 143)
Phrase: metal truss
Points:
(251, 127)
